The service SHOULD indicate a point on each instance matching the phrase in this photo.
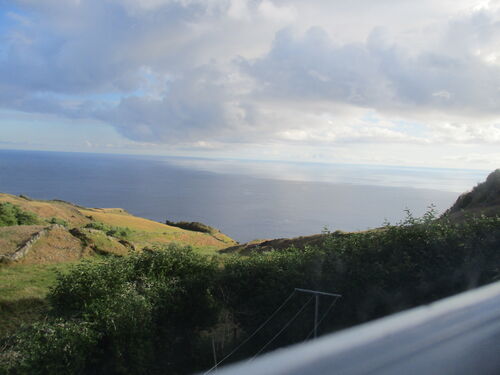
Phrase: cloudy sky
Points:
(390, 82)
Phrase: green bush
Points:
(58, 221)
(146, 313)
(11, 214)
(57, 347)
(193, 226)
(148, 308)
(378, 272)
(118, 232)
(252, 288)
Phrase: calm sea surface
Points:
(246, 200)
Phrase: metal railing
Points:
(459, 335)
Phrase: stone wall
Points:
(24, 249)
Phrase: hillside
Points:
(276, 244)
(174, 310)
(39, 239)
(484, 199)
(62, 231)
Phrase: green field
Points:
(23, 289)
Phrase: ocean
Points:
(245, 199)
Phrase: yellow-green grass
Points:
(123, 219)
(150, 233)
(146, 233)
(48, 209)
(23, 289)
(105, 244)
(56, 246)
(19, 281)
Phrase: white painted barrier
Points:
(459, 335)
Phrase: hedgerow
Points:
(152, 312)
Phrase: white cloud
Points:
(442, 94)
(211, 73)
(277, 13)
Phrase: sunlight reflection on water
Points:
(246, 200)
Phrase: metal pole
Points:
(316, 306)
(215, 354)
(317, 293)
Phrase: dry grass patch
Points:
(15, 236)
(61, 246)
(148, 233)
(195, 239)
(126, 220)
(119, 211)
(58, 245)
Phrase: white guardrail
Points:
(457, 335)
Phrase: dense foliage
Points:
(139, 314)
(377, 272)
(192, 225)
(11, 214)
(153, 312)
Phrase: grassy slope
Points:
(483, 199)
(13, 237)
(58, 246)
(24, 284)
(49, 209)
(259, 246)
(23, 289)
(145, 233)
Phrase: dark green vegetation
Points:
(483, 199)
(192, 225)
(138, 314)
(13, 215)
(157, 311)
(55, 220)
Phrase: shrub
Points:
(193, 226)
(148, 308)
(56, 347)
(118, 232)
(11, 214)
(252, 288)
(58, 221)
(378, 272)
(145, 313)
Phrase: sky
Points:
(386, 82)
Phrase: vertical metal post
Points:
(214, 353)
(317, 293)
(316, 307)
